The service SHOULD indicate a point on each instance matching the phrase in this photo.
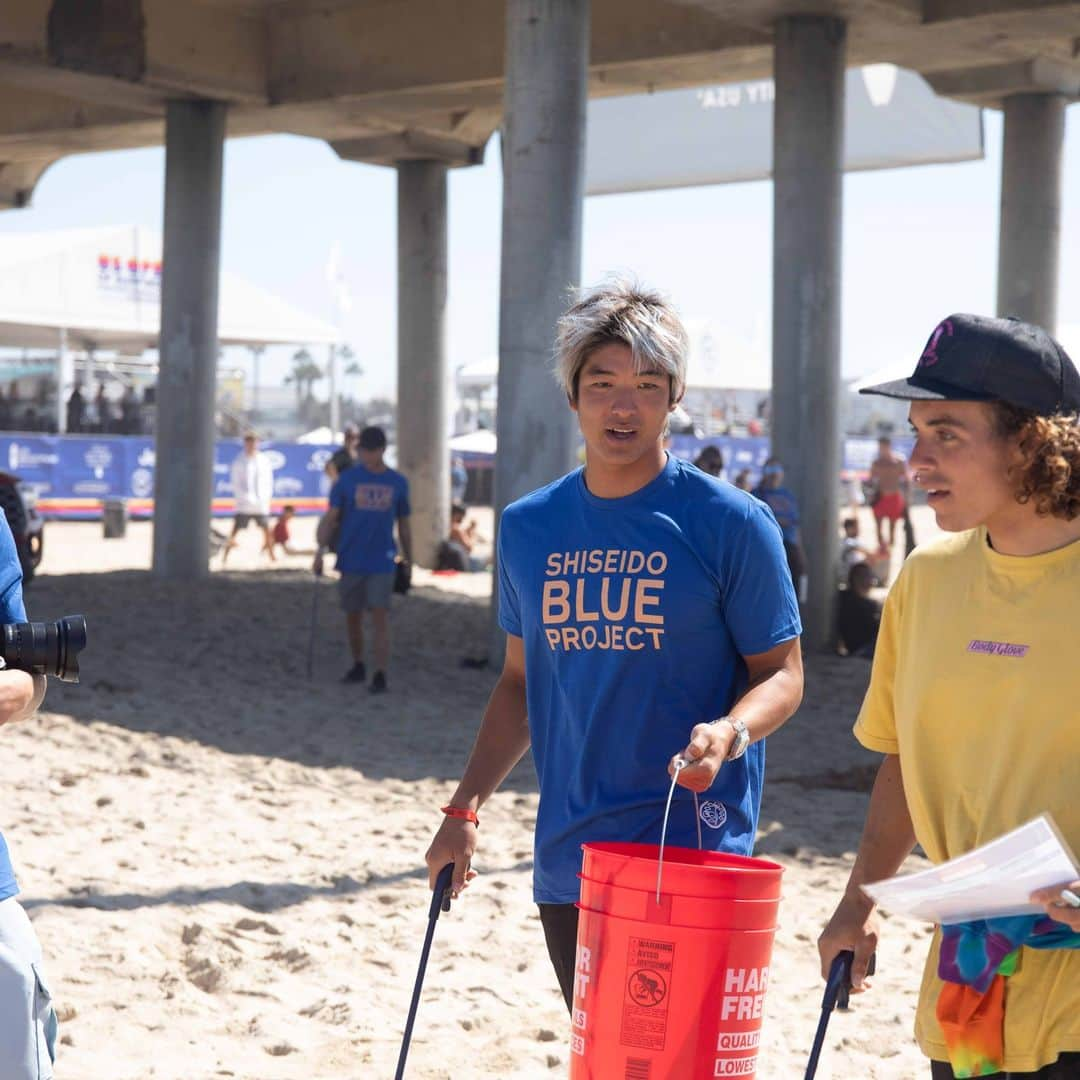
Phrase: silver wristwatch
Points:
(742, 737)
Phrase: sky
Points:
(919, 243)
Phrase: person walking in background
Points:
(711, 461)
(281, 533)
(459, 480)
(974, 691)
(345, 457)
(742, 480)
(785, 508)
(76, 410)
(103, 407)
(253, 489)
(367, 501)
(889, 476)
(129, 411)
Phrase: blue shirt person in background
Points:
(366, 502)
(649, 615)
(785, 508)
(27, 1020)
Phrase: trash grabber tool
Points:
(440, 901)
(837, 988)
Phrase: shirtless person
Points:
(889, 473)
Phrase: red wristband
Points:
(461, 812)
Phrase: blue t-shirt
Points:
(785, 509)
(370, 503)
(635, 614)
(11, 611)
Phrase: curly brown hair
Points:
(1049, 473)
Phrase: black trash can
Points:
(115, 517)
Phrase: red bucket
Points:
(673, 989)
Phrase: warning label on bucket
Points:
(645, 1004)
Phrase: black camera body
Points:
(44, 648)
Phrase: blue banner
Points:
(73, 474)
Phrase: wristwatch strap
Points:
(742, 737)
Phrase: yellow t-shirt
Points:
(976, 685)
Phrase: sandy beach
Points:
(222, 858)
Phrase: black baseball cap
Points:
(373, 438)
(979, 358)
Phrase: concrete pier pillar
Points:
(184, 469)
(65, 380)
(547, 51)
(808, 142)
(422, 418)
(1030, 226)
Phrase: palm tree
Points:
(304, 375)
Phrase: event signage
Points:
(724, 134)
(73, 475)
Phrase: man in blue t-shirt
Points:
(785, 508)
(649, 614)
(27, 1020)
(367, 500)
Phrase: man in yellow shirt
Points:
(974, 696)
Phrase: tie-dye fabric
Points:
(976, 958)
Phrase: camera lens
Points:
(45, 648)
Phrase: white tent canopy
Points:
(718, 360)
(103, 287)
(474, 442)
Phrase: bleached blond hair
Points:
(621, 311)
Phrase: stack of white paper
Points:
(993, 880)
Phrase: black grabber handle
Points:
(440, 901)
(837, 989)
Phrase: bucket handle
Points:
(680, 764)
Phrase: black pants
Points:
(1067, 1067)
(560, 932)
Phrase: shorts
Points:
(560, 923)
(242, 521)
(27, 1019)
(890, 506)
(362, 592)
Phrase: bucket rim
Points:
(749, 864)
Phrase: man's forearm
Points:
(500, 744)
(888, 835)
(769, 701)
(324, 531)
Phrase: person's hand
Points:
(18, 690)
(853, 926)
(1057, 907)
(317, 565)
(704, 755)
(454, 842)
